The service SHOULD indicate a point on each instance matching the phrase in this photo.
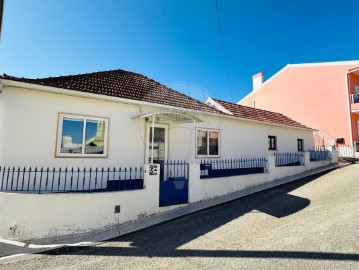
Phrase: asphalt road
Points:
(309, 224)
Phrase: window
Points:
(82, 136)
(356, 88)
(272, 143)
(300, 143)
(207, 143)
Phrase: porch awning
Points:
(176, 116)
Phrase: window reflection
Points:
(72, 136)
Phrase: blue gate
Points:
(173, 183)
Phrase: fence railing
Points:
(288, 159)
(348, 150)
(231, 167)
(69, 179)
(320, 154)
(174, 170)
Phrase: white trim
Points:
(148, 144)
(67, 92)
(219, 143)
(211, 102)
(84, 119)
(338, 63)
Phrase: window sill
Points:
(198, 156)
(81, 156)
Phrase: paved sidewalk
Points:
(14, 248)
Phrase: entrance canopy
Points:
(176, 116)
(172, 115)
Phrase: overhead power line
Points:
(224, 51)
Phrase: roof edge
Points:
(350, 62)
(55, 90)
(265, 82)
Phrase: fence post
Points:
(306, 159)
(151, 184)
(270, 163)
(334, 154)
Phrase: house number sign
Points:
(153, 169)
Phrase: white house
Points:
(112, 119)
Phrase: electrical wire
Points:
(224, 52)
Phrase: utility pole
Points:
(1, 14)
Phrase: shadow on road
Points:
(163, 240)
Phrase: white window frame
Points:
(219, 142)
(149, 143)
(84, 118)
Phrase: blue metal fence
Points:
(174, 183)
(69, 180)
(174, 170)
(231, 167)
(289, 159)
(318, 155)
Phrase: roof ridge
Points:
(259, 114)
(239, 105)
(124, 84)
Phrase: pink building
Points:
(324, 96)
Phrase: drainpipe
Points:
(350, 113)
(194, 142)
(153, 136)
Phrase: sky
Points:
(176, 42)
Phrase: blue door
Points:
(173, 183)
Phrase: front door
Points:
(157, 148)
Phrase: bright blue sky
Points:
(176, 42)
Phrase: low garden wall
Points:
(28, 215)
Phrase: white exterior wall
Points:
(202, 189)
(42, 215)
(238, 138)
(28, 134)
(29, 121)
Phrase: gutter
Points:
(347, 82)
(54, 90)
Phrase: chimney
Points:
(257, 80)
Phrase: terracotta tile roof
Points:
(259, 115)
(122, 84)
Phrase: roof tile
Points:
(134, 86)
(122, 84)
(259, 115)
